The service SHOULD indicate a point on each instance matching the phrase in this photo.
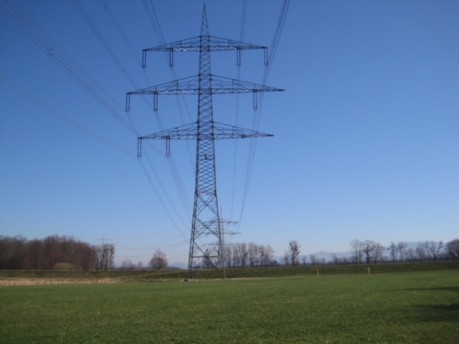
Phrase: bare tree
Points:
(105, 256)
(393, 251)
(236, 255)
(127, 264)
(266, 255)
(410, 254)
(378, 253)
(428, 250)
(367, 248)
(159, 260)
(372, 251)
(357, 255)
(294, 252)
(402, 246)
(433, 249)
(421, 253)
(452, 248)
(243, 254)
(253, 254)
(228, 256)
(240, 254)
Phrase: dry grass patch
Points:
(54, 281)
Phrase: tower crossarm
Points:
(189, 132)
(215, 44)
(194, 45)
(218, 85)
(191, 86)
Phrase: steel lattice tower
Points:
(206, 241)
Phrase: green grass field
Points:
(408, 307)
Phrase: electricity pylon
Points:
(206, 241)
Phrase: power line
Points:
(257, 115)
(154, 21)
(18, 16)
(103, 42)
(181, 103)
(82, 81)
(108, 49)
(62, 116)
(123, 36)
(177, 178)
(26, 24)
(238, 77)
(163, 204)
(277, 35)
(166, 194)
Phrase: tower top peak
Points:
(204, 25)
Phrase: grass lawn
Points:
(409, 307)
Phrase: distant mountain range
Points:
(328, 256)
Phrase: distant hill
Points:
(329, 256)
(178, 265)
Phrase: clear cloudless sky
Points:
(366, 141)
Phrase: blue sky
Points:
(366, 141)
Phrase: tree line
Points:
(370, 251)
(248, 255)
(54, 252)
(363, 252)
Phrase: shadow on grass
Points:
(438, 313)
(456, 289)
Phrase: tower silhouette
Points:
(206, 240)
